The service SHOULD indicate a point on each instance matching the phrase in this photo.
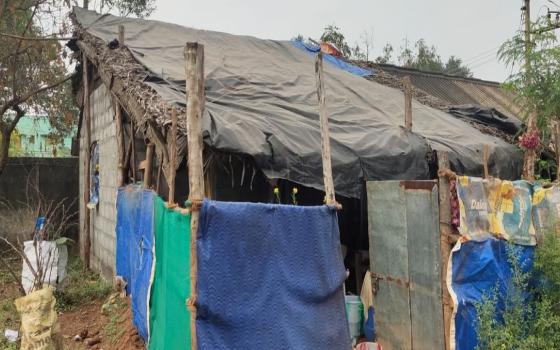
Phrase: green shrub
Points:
(526, 323)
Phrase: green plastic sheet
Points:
(169, 317)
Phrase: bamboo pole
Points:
(325, 141)
(445, 244)
(407, 89)
(172, 159)
(485, 161)
(87, 165)
(148, 165)
(194, 57)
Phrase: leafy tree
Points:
(425, 57)
(536, 84)
(333, 35)
(34, 67)
(537, 88)
(454, 66)
(33, 72)
(387, 55)
(125, 8)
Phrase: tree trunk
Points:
(4, 149)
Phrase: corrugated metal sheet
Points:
(405, 262)
(459, 91)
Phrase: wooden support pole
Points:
(121, 35)
(133, 156)
(87, 166)
(194, 57)
(407, 89)
(148, 165)
(325, 140)
(485, 152)
(172, 159)
(445, 244)
(159, 171)
(530, 155)
(121, 155)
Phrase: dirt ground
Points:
(114, 331)
(87, 307)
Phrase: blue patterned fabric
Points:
(270, 277)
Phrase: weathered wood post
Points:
(407, 89)
(133, 155)
(87, 165)
(485, 161)
(325, 140)
(530, 155)
(172, 159)
(148, 165)
(445, 240)
(194, 57)
(121, 175)
(121, 35)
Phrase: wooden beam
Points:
(87, 165)
(121, 35)
(194, 66)
(407, 89)
(485, 152)
(121, 175)
(148, 166)
(325, 139)
(172, 159)
(445, 247)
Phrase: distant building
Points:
(33, 138)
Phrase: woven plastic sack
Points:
(511, 214)
(475, 207)
(40, 329)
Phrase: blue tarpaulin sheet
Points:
(477, 269)
(270, 277)
(337, 62)
(135, 237)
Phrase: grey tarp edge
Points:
(261, 101)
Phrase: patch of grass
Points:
(9, 317)
(81, 286)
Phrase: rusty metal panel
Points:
(405, 263)
(389, 257)
(422, 218)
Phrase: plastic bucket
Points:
(354, 314)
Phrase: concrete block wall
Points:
(104, 217)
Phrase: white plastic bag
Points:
(52, 258)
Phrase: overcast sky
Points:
(471, 30)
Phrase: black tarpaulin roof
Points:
(261, 101)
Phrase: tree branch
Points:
(16, 101)
(12, 272)
(45, 38)
(19, 114)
